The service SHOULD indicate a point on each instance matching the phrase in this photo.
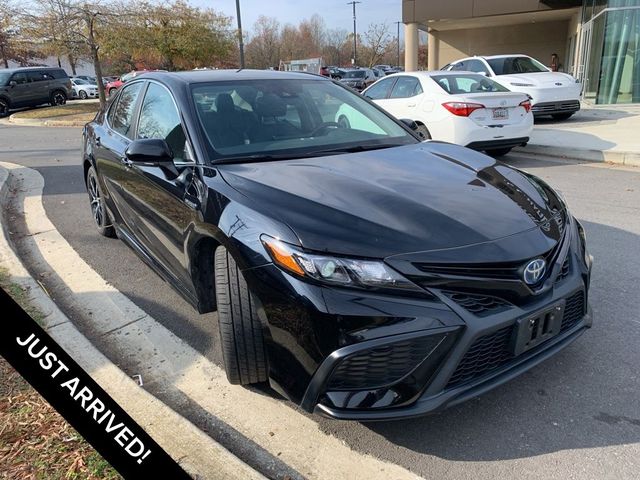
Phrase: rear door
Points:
(404, 97)
(112, 141)
(39, 85)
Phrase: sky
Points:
(336, 13)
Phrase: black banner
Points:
(79, 399)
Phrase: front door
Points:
(20, 93)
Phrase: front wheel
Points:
(242, 341)
(4, 108)
(98, 209)
(83, 95)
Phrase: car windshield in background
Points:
(511, 65)
(354, 74)
(80, 81)
(272, 119)
(467, 83)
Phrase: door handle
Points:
(98, 142)
(126, 162)
(411, 104)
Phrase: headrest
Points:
(270, 105)
(224, 103)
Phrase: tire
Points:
(98, 209)
(58, 98)
(4, 107)
(562, 116)
(241, 336)
(112, 91)
(498, 152)
(423, 132)
(83, 95)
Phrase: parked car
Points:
(88, 78)
(358, 78)
(325, 72)
(336, 73)
(458, 107)
(552, 93)
(83, 89)
(363, 273)
(383, 67)
(378, 73)
(114, 85)
(32, 86)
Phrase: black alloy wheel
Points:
(98, 210)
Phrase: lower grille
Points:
(381, 366)
(570, 106)
(492, 351)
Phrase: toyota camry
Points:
(363, 273)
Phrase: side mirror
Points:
(149, 151)
(410, 123)
(13, 83)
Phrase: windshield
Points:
(354, 74)
(467, 83)
(271, 119)
(511, 65)
(79, 81)
(4, 77)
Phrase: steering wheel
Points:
(324, 126)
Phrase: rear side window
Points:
(406, 87)
(36, 76)
(469, 83)
(121, 114)
(159, 118)
(57, 73)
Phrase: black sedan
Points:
(361, 272)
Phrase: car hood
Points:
(423, 197)
(540, 79)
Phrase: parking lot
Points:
(574, 416)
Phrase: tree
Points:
(337, 49)
(378, 43)
(263, 50)
(14, 46)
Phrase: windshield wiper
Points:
(313, 153)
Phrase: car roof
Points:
(488, 57)
(431, 73)
(202, 76)
(20, 69)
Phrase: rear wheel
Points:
(562, 116)
(240, 328)
(98, 210)
(58, 98)
(4, 107)
(498, 152)
(423, 132)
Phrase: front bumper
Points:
(557, 107)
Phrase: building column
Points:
(433, 50)
(411, 46)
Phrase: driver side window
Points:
(159, 118)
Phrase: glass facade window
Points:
(611, 51)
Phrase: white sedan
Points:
(552, 93)
(458, 107)
(83, 89)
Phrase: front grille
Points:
(480, 305)
(492, 351)
(381, 366)
(569, 106)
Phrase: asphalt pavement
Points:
(575, 416)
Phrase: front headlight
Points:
(335, 270)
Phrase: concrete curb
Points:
(44, 122)
(197, 453)
(631, 159)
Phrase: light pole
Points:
(398, 42)
(240, 41)
(355, 55)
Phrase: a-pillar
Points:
(411, 46)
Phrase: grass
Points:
(84, 111)
(35, 441)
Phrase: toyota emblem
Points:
(534, 271)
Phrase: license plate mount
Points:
(500, 114)
(531, 331)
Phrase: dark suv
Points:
(31, 86)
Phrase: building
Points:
(598, 41)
